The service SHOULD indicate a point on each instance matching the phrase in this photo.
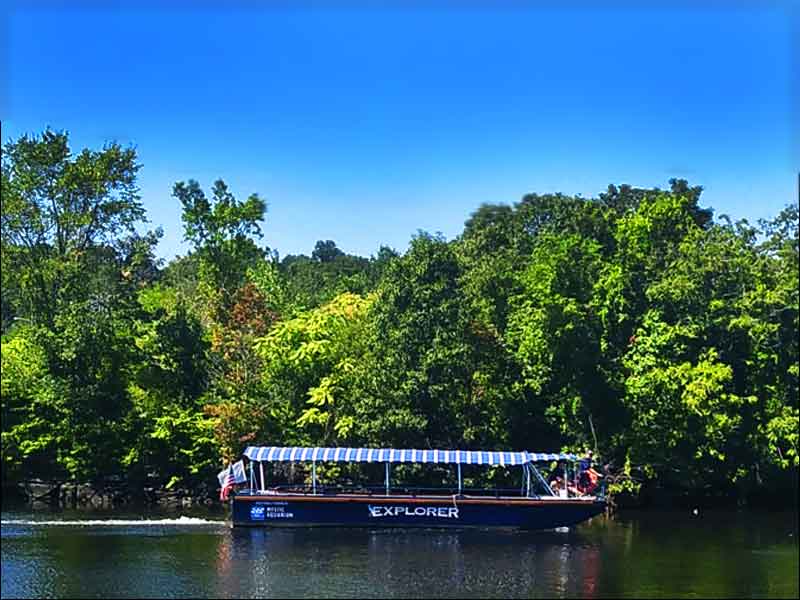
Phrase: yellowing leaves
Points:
(318, 351)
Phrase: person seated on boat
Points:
(557, 485)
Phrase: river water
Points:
(635, 554)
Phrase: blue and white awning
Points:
(393, 455)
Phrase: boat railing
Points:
(412, 491)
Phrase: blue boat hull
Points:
(306, 510)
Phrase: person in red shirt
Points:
(588, 478)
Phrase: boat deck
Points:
(410, 498)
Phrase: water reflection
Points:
(372, 563)
(646, 555)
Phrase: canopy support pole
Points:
(252, 477)
(527, 481)
(261, 472)
(387, 478)
(541, 479)
(575, 475)
(314, 477)
(459, 479)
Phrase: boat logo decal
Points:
(270, 510)
(440, 512)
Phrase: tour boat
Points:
(534, 505)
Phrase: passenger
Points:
(586, 462)
(593, 478)
(558, 485)
(588, 477)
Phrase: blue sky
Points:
(365, 123)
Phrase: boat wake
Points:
(181, 521)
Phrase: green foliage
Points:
(682, 406)
(633, 323)
(220, 231)
(311, 282)
(309, 365)
(433, 375)
(267, 278)
(58, 212)
(556, 334)
(33, 408)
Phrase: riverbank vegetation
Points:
(636, 323)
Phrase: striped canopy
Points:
(392, 455)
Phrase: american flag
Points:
(228, 477)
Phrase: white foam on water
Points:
(114, 522)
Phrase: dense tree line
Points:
(634, 323)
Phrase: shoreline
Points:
(48, 495)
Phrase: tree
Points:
(34, 410)
(56, 210)
(633, 322)
(312, 282)
(174, 436)
(555, 334)
(782, 248)
(310, 362)
(70, 249)
(431, 372)
(326, 251)
(221, 232)
(627, 198)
